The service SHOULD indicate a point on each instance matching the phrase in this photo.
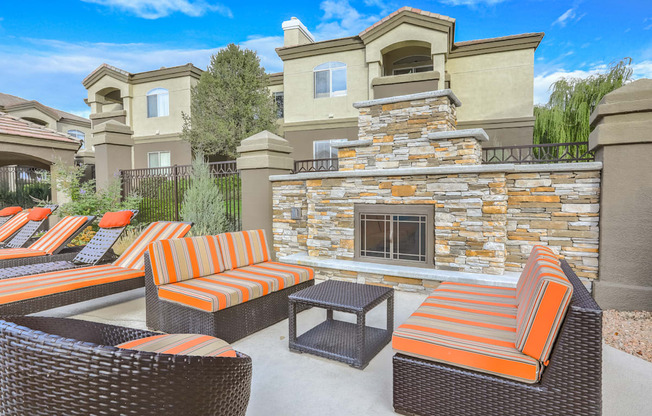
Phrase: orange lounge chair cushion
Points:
(8, 211)
(116, 219)
(14, 224)
(182, 344)
(39, 214)
(19, 253)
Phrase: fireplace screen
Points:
(394, 234)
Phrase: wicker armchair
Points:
(58, 366)
(570, 385)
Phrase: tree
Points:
(229, 103)
(565, 118)
(203, 203)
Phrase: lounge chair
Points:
(21, 227)
(8, 213)
(52, 242)
(94, 252)
(28, 294)
(59, 366)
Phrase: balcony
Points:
(392, 85)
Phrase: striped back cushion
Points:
(244, 248)
(58, 234)
(181, 259)
(525, 280)
(540, 314)
(181, 344)
(10, 227)
(132, 258)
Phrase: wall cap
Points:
(405, 78)
(265, 140)
(478, 134)
(410, 97)
(443, 170)
(112, 126)
(353, 143)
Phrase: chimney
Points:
(295, 33)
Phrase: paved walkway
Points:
(286, 383)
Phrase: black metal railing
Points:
(539, 153)
(162, 190)
(18, 184)
(315, 165)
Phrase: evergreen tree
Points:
(229, 103)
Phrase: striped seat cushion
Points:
(133, 256)
(28, 287)
(479, 296)
(180, 259)
(545, 300)
(10, 227)
(244, 248)
(182, 344)
(232, 287)
(59, 234)
(468, 337)
(19, 253)
(538, 252)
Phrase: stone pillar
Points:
(622, 138)
(113, 145)
(261, 155)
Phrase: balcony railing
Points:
(315, 165)
(539, 153)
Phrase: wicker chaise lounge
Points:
(28, 294)
(8, 213)
(17, 231)
(52, 242)
(223, 286)
(478, 350)
(96, 251)
(57, 366)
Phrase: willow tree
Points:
(565, 118)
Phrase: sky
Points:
(48, 47)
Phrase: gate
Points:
(19, 183)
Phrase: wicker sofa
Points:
(59, 366)
(533, 366)
(224, 286)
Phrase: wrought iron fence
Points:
(18, 184)
(162, 190)
(539, 153)
(315, 165)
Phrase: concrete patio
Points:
(286, 383)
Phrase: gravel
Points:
(629, 331)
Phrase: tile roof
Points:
(7, 100)
(478, 41)
(16, 126)
(407, 9)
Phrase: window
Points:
(322, 149)
(79, 135)
(158, 159)
(394, 234)
(330, 80)
(412, 64)
(278, 99)
(158, 103)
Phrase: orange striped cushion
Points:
(182, 344)
(542, 310)
(58, 234)
(132, 258)
(244, 248)
(19, 253)
(538, 253)
(179, 259)
(28, 287)
(14, 224)
(466, 336)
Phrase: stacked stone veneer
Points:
(486, 218)
(415, 132)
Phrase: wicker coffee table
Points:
(354, 344)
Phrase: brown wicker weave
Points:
(570, 385)
(57, 366)
(230, 324)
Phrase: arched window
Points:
(79, 135)
(158, 103)
(330, 79)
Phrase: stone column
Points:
(622, 139)
(113, 145)
(261, 155)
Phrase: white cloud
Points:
(567, 16)
(83, 113)
(154, 9)
(642, 69)
(341, 20)
(265, 47)
(471, 3)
